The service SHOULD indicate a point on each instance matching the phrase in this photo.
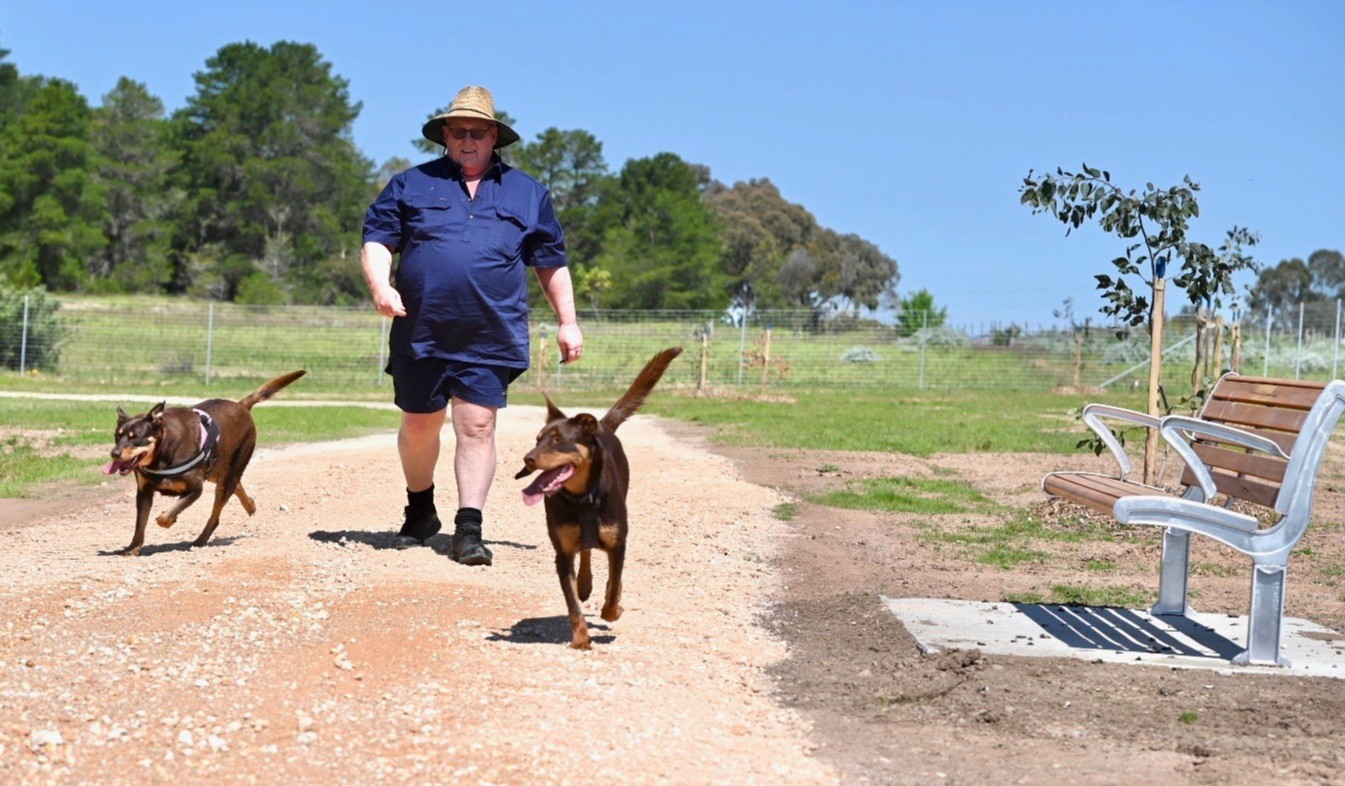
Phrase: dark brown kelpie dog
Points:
(174, 450)
(584, 481)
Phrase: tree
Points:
(571, 165)
(762, 233)
(918, 313)
(1293, 281)
(661, 243)
(274, 176)
(796, 277)
(135, 162)
(52, 211)
(863, 274)
(1160, 219)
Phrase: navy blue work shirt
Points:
(462, 267)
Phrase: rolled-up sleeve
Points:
(383, 220)
(545, 245)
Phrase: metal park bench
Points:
(1257, 440)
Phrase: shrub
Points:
(859, 354)
(41, 347)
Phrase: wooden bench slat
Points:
(1239, 462)
(1246, 415)
(1094, 491)
(1295, 394)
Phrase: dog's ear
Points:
(587, 423)
(156, 413)
(122, 417)
(552, 411)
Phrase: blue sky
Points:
(910, 124)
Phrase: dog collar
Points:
(209, 439)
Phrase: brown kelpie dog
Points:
(584, 481)
(174, 450)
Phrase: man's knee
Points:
(420, 426)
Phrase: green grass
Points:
(22, 466)
(1008, 542)
(906, 495)
(876, 420)
(1072, 595)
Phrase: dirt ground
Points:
(298, 647)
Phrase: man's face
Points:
(473, 155)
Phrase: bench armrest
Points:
(1093, 416)
(1176, 428)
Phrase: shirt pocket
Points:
(506, 236)
(428, 218)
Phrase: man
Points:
(465, 227)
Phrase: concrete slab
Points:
(1109, 634)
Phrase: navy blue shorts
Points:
(424, 385)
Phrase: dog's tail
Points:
(270, 388)
(639, 389)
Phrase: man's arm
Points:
(559, 292)
(376, 259)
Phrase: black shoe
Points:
(416, 529)
(467, 546)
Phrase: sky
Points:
(910, 124)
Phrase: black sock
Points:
(421, 501)
(468, 516)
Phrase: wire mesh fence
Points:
(128, 344)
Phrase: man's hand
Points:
(571, 342)
(376, 259)
(388, 301)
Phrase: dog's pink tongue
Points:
(110, 468)
(533, 494)
(536, 490)
(546, 483)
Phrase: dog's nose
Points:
(530, 462)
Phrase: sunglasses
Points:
(476, 133)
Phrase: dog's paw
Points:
(130, 551)
(164, 521)
(612, 613)
(580, 644)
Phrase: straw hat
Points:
(475, 102)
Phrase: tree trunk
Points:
(1155, 369)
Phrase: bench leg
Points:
(1266, 618)
(1173, 574)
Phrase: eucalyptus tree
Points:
(1158, 220)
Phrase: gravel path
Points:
(300, 648)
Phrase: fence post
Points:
(23, 340)
(1265, 366)
(742, 346)
(705, 360)
(1335, 357)
(924, 334)
(765, 358)
(209, 340)
(1298, 352)
(382, 347)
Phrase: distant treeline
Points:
(255, 190)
